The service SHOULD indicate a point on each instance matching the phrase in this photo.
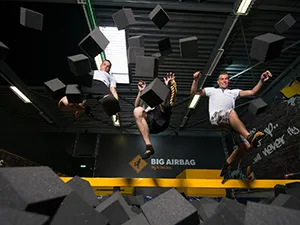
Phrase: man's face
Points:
(223, 80)
(105, 66)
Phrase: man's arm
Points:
(263, 78)
(194, 87)
(141, 87)
(114, 92)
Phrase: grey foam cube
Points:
(224, 216)
(285, 23)
(136, 41)
(79, 64)
(31, 19)
(139, 219)
(56, 88)
(94, 43)
(86, 80)
(73, 93)
(24, 188)
(262, 214)
(124, 18)
(159, 56)
(286, 201)
(159, 17)
(256, 106)
(116, 205)
(266, 47)
(133, 53)
(165, 47)
(234, 206)
(155, 93)
(170, 208)
(189, 47)
(3, 51)
(146, 66)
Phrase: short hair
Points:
(109, 63)
(223, 72)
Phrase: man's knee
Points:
(245, 146)
(138, 112)
(63, 102)
(232, 113)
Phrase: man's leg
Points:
(140, 118)
(64, 105)
(239, 126)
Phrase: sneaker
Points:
(149, 151)
(224, 168)
(255, 138)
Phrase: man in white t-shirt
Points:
(222, 113)
(104, 84)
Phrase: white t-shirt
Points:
(221, 99)
(105, 77)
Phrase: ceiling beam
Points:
(11, 77)
(277, 8)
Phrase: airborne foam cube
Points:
(285, 23)
(31, 19)
(165, 47)
(146, 66)
(189, 47)
(79, 64)
(266, 47)
(94, 43)
(133, 53)
(124, 18)
(155, 93)
(256, 106)
(86, 80)
(73, 93)
(136, 41)
(56, 88)
(159, 17)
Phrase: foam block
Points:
(73, 93)
(159, 57)
(146, 66)
(262, 214)
(136, 209)
(234, 206)
(257, 106)
(79, 64)
(224, 216)
(155, 93)
(10, 216)
(285, 23)
(110, 105)
(139, 219)
(17, 185)
(124, 18)
(86, 80)
(286, 201)
(84, 190)
(134, 200)
(31, 19)
(189, 47)
(279, 189)
(208, 210)
(159, 17)
(116, 205)
(55, 88)
(170, 208)
(94, 43)
(165, 47)
(266, 47)
(136, 41)
(75, 211)
(133, 53)
(3, 51)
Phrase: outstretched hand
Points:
(197, 75)
(265, 76)
(141, 85)
(170, 76)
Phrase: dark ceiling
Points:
(39, 56)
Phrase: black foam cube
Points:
(34, 189)
(75, 211)
(73, 93)
(124, 18)
(165, 47)
(266, 47)
(110, 105)
(170, 208)
(155, 93)
(116, 205)
(84, 190)
(138, 219)
(3, 51)
(234, 206)
(159, 57)
(285, 23)
(56, 88)
(136, 41)
(133, 53)
(10, 216)
(279, 189)
(79, 64)
(146, 66)
(94, 43)
(256, 106)
(159, 17)
(189, 47)
(86, 80)
(31, 19)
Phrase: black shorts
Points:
(157, 120)
(97, 91)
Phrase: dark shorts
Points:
(97, 91)
(157, 120)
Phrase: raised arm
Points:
(194, 87)
(141, 87)
(263, 78)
